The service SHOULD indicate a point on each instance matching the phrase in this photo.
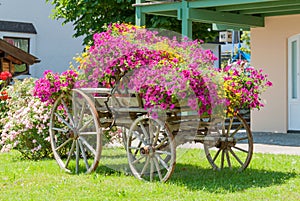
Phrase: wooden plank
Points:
(17, 53)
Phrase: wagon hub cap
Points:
(225, 144)
(73, 134)
(147, 150)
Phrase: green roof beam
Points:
(282, 13)
(222, 27)
(271, 10)
(275, 4)
(216, 3)
(208, 16)
(159, 7)
(167, 13)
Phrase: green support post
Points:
(186, 23)
(140, 17)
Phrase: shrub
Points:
(26, 125)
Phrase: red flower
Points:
(3, 95)
(4, 75)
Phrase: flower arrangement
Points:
(165, 70)
(51, 85)
(162, 67)
(243, 86)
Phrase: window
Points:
(23, 44)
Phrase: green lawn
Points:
(269, 177)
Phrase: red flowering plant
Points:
(4, 81)
(5, 77)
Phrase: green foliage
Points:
(89, 17)
(245, 37)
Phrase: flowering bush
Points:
(51, 85)
(25, 128)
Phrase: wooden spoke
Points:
(138, 148)
(63, 120)
(163, 152)
(67, 111)
(151, 170)
(222, 160)
(243, 150)
(161, 143)
(139, 138)
(60, 129)
(229, 127)
(87, 133)
(88, 145)
(228, 158)
(157, 168)
(217, 154)
(137, 160)
(81, 116)
(162, 162)
(86, 125)
(77, 157)
(63, 144)
(156, 135)
(83, 155)
(145, 166)
(241, 139)
(236, 157)
(146, 134)
(236, 130)
(70, 154)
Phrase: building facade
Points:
(28, 25)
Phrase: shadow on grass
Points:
(197, 178)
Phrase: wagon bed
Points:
(78, 123)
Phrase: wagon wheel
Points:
(230, 146)
(75, 134)
(151, 149)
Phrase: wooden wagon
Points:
(78, 123)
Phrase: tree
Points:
(89, 17)
(245, 37)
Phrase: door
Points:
(294, 83)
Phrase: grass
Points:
(269, 177)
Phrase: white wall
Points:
(53, 44)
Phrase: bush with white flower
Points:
(25, 127)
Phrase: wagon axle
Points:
(224, 144)
(147, 150)
(73, 135)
